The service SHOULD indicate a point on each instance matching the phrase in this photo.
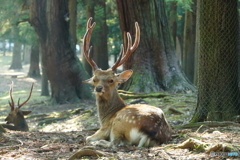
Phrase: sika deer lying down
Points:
(16, 116)
(122, 124)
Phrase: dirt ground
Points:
(59, 131)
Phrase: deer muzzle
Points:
(99, 89)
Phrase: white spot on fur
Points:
(133, 117)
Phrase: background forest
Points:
(187, 63)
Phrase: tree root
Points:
(88, 151)
(193, 144)
(209, 124)
(132, 95)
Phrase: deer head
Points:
(139, 124)
(16, 115)
(105, 80)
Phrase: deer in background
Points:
(16, 116)
(121, 124)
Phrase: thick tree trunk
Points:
(218, 93)
(154, 64)
(63, 69)
(34, 70)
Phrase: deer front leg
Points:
(101, 134)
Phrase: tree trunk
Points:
(154, 64)
(34, 70)
(189, 38)
(97, 10)
(173, 21)
(218, 94)
(100, 50)
(16, 57)
(44, 83)
(4, 47)
(63, 69)
(72, 5)
(44, 79)
(89, 13)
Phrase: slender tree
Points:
(154, 64)
(34, 70)
(63, 69)
(218, 92)
(173, 20)
(189, 38)
(16, 56)
(97, 10)
(72, 18)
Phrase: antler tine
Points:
(20, 105)
(130, 48)
(11, 104)
(119, 58)
(86, 43)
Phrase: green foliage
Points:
(11, 16)
(114, 31)
(185, 4)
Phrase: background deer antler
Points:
(11, 104)
(20, 105)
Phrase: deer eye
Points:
(110, 81)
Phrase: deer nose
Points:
(99, 88)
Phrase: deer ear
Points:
(26, 112)
(89, 81)
(124, 76)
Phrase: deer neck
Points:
(21, 125)
(108, 107)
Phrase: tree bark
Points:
(63, 69)
(34, 70)
(97, 10)
(89, 13)
(72, 5)
(173, 21)
(218, 93)
(189, 38)
(16, 57)
(154, 64)
(100, 50)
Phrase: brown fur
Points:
(137, 124)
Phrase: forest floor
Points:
(58, 131)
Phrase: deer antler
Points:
(124, 55)
(11, 104)
(86, 43)
(20, 105)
